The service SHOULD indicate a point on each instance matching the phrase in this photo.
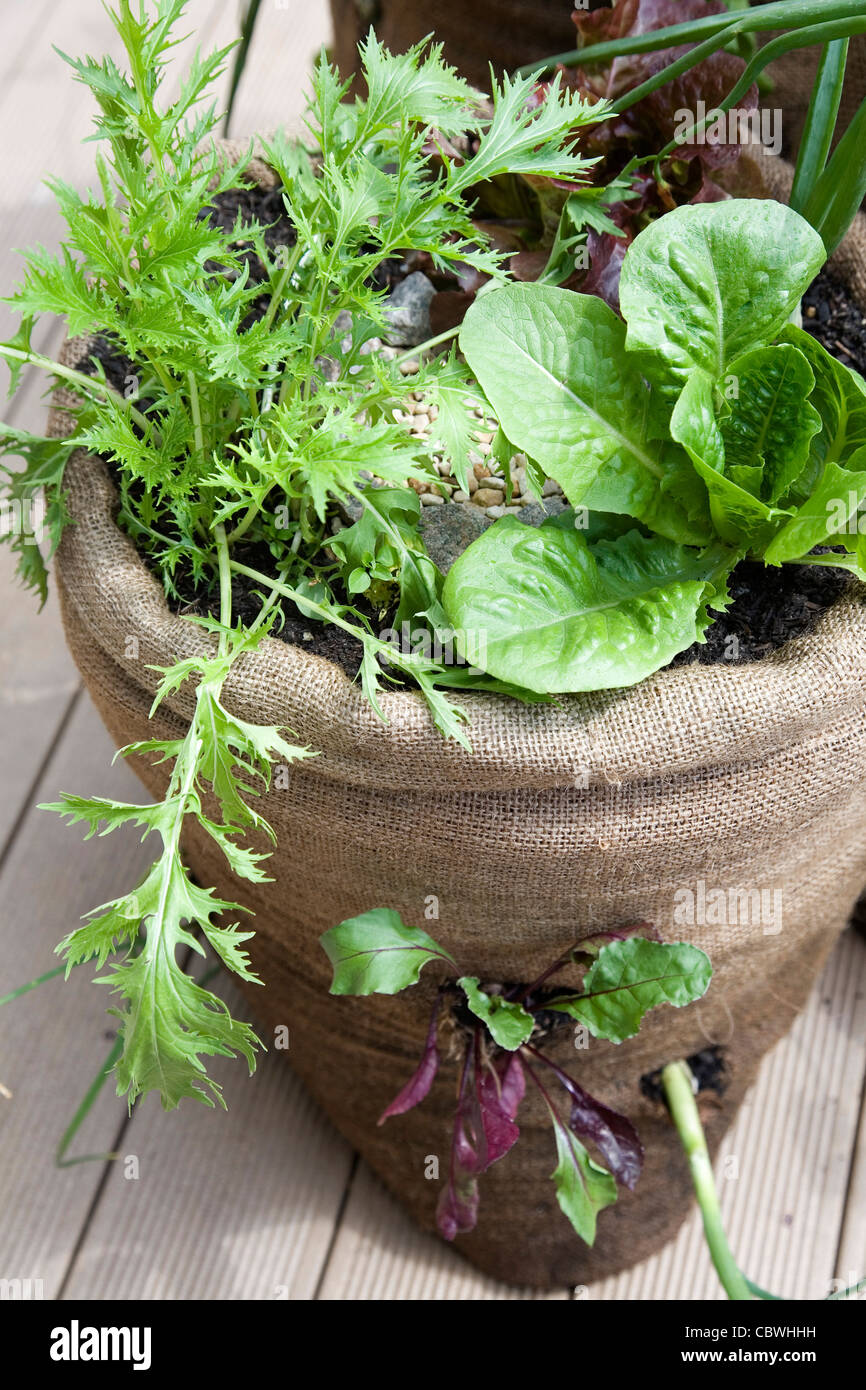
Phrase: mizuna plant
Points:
(626, 972)
(704, 429)
(253, 409)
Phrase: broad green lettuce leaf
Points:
(817, 522)
(839, 396)
(771, 423)
(708, 282)
(631, 977)
(508, 1024)
(554, 367)
(541, 608)
(740, 518)
(376, 953)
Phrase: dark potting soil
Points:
(708, 1067)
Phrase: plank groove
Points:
(792, 1139)
(237, 1205)
(53, 1040)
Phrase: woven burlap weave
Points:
(590, 813)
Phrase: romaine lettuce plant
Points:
(626, 972)
(703, 429)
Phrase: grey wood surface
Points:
(267, 1201)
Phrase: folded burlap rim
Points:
(683, 718)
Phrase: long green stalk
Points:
(785, 14)
(820, 122)
(824, 32)
(248, 25)
(677, 1086)
(32, 984)
(840, 190)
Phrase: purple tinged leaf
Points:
(613, 1134)
(513, 1086)
(658, 117)
(419, 1085)
(606, 255)
(500, 1092)
(484, 1131)
(457, 1208)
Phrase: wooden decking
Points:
(267, 1202)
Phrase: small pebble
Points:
(431, 499)
(473, 482)
(512, 511)
(488, 497)
(409, 368)
(480, 469)
(495, 512)
(460, 496)
(550, 488)
(421, 421)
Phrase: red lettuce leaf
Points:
(418, 1086)
(500, 1091)
(613, 1134)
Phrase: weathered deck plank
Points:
(237, 1205)
(53, 1040)
(790, 1148)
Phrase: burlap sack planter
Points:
(600, 810)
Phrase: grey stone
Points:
(534, 513)
(447, 531)
(408, 311)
